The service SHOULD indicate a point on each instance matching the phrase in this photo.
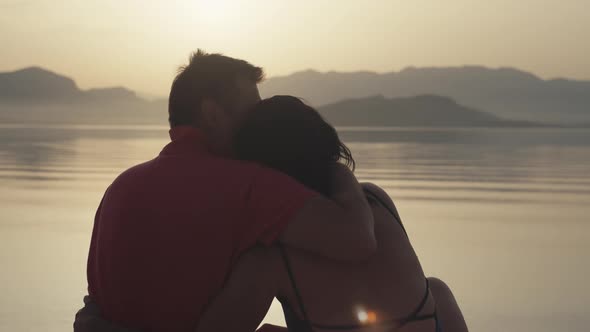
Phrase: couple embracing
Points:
(253, 200)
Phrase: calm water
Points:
(503, 215)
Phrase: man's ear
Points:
(209, 115)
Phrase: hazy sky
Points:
(139, 44)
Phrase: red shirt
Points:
(168, 231)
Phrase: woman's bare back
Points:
(388, 287)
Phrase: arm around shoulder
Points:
(340, 227)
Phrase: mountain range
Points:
(505, 92)
(466, 96)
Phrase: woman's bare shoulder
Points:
(379, 192)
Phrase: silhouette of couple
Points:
(252, 200)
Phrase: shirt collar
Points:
(184, 133)
(185, 139)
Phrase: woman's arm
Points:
(247, 294)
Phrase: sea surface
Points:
(502, 215)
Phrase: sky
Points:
(140, 44)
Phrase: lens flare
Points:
(371, 317)
(362, 316)
(366, 317)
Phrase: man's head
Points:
(212, 93)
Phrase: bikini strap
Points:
(397, 323)
(309, 324)
(293, 283)
(413, 317)
(393, 212)
(394, 323)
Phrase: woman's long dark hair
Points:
(284, 133)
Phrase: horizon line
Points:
(312, 70)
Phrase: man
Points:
(168, 231)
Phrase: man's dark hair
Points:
(284, 133)
(212, 76)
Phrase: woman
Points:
(387, 293)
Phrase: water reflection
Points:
(32, 150)
(52, 153)
(551, 161)
(500, 213)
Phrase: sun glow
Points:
(214, 25)
(214, 11)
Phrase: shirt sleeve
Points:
(272, 200)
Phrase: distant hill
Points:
(504, 92)
(37, 95)
(35, 84)
(425, 110)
